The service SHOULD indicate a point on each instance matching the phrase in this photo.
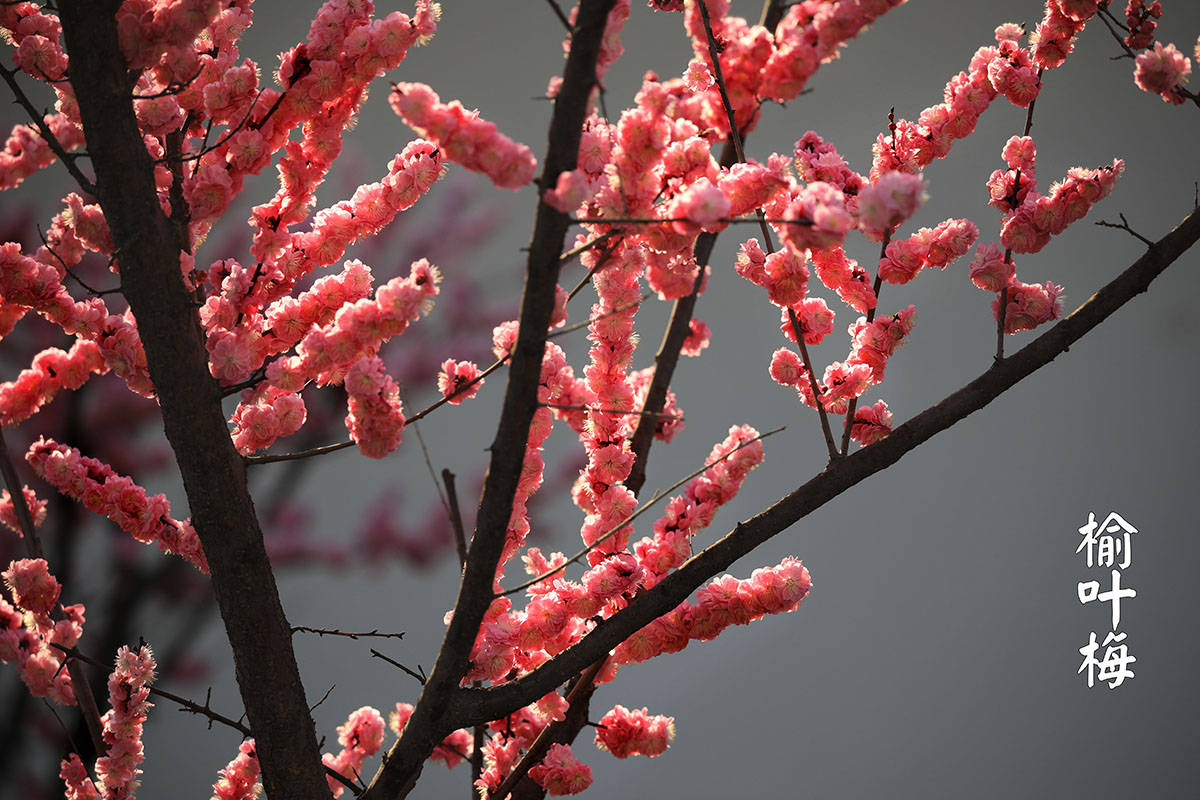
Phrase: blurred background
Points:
(938, 651)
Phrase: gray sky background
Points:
(937, 653)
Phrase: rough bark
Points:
(214, 479)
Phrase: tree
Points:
(181, 358)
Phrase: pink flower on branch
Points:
(93, 483)
(465, 137)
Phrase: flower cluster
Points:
(627, 733)
(239, 778)
(560, 772)
(117, 769)
(871, 423)
(376, 415)
(93, 483)
(1163, 71)
(27, 631)
(360, 737)
(466, 138)
(928, 247)
(1030, 220)
(459, 380)
(8, 511)
(724, 602)
(693, 510)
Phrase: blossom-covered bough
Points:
(174, 120)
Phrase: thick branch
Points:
(213, 474)
(473, 705)
(425, 729)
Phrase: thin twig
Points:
(588, 245)
(643, 508)
(97, 292)
(558, 12)
(1124, 226)
(456, 522)
(661, 414)
(373, 633)
(420, 676)
(324, 697)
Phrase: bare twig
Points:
(1124, 226)
(456, 522)
(420, 676)
(558, 12)
(373, 633)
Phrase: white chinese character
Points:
(1114, 667)
(1090, 590)
(1103, 547)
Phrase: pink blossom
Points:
(376, 416)
(146, 518)
(871, 423)
(889, 200)
(464, 136)
(33, 587)
(1162, 71)
(459, 380)
(626, 733)
(559, 772)
(572, 190)
(1029, 305)
(785, 277)
(8, 511)
(816, 218)
(239, 778)
(990, 270)
(702, 203)
(360, 737)
(1020, 152)
(128, 692)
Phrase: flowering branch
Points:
(642, 509)
(471, 705)
(67, 159)
(425, 730)
(33, 547)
